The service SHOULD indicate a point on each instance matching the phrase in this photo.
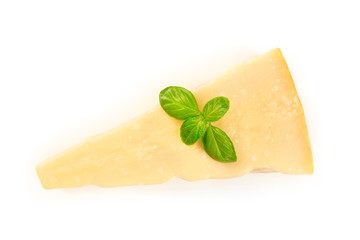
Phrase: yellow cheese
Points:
(265, 122)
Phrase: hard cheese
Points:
(265, 122)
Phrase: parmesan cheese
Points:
(265, 122)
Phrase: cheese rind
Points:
(265, 122)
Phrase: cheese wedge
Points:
(265, 122)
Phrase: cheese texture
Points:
(265, 122)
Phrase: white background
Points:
(70, 69)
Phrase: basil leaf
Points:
(218, 145)
(179, 103)
(192, 129)
(216, 108)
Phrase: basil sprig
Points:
(181, 104)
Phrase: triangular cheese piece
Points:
(265, 122)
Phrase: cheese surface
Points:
(265, 122)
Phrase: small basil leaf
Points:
(216, 108)
(178, 102)
(218, 145)
(192, 129)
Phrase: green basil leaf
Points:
(179, 103)
(192, 129)
(218, 145)
(216, 108)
